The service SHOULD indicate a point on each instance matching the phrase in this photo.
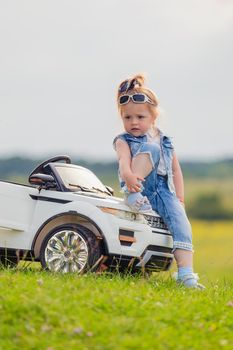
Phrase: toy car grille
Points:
(155, 222)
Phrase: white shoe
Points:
(189, 281)
(139, 203)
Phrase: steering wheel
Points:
(40, 167)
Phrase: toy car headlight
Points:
(123, 214)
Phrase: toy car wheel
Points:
(70, 248)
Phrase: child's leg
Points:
(142, 165)
(146, 159)
(184, 258)
(173, 213)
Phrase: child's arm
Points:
(178, 179)
(124, 159)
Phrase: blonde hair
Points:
(139, 87)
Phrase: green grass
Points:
(213, 243)
(45, 311)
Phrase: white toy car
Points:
(70, 222)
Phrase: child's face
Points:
(137, 118)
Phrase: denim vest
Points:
(135, 142)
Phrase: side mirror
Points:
(42, 180)
(110, 190)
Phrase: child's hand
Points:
(132, 182)
(181, 199)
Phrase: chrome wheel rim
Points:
(66, 251)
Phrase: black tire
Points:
(70, 248)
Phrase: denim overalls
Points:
(160, 189)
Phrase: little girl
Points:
(149, 171)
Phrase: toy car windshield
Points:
(78, 178)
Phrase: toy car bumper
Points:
(155, 260)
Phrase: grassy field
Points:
(44, 311)
(213, 246)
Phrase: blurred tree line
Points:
(208, 205)
(15, 167)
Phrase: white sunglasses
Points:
(136, 98)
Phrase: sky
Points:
(62, 60)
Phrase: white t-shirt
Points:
(154, 136)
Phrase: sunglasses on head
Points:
(128, 85)
(136, 98)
